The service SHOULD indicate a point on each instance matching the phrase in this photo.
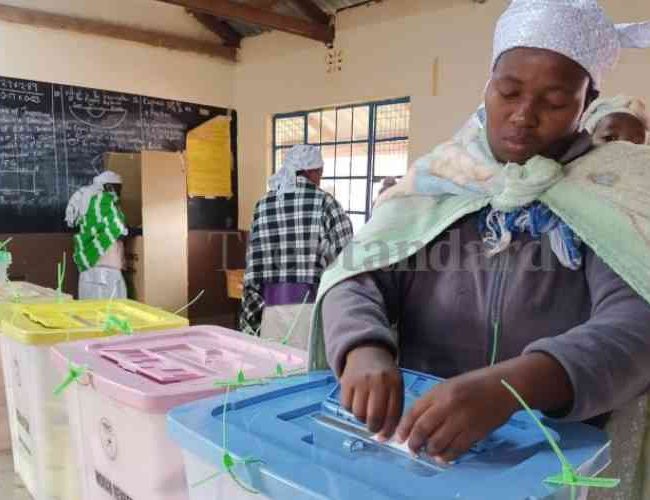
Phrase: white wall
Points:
(88, 60)
(389, 50)
(149, 14)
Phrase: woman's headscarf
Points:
(298, 158)
(577, 29)
(79, 201)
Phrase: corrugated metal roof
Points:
(288, 8)
(246, 29)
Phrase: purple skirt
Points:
(285, 294)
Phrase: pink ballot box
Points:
(117, 405)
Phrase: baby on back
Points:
(619, 118)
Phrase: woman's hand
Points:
(371, 388)
(455, 414)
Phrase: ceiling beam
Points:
(30, 17)
(228, 9)
(220, 28)
(313, 11)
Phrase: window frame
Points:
(372, 141)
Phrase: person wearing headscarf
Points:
(620, 118)
(95, 212)
(387, 183)
(298, 230)
(482, 280)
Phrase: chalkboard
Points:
(53, 137)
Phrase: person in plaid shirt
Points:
(298, 230)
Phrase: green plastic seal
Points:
(5, 258)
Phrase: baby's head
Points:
(619, 127)
(617, 119)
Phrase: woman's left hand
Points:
(455, 414)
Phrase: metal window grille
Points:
(362, 144)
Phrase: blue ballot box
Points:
(297, 442)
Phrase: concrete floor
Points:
(11, 488)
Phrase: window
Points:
(361, 144)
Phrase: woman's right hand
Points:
(372, 389)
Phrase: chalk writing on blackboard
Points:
(53, 138)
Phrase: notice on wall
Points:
(209, 158)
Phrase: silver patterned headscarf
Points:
(577, 29)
